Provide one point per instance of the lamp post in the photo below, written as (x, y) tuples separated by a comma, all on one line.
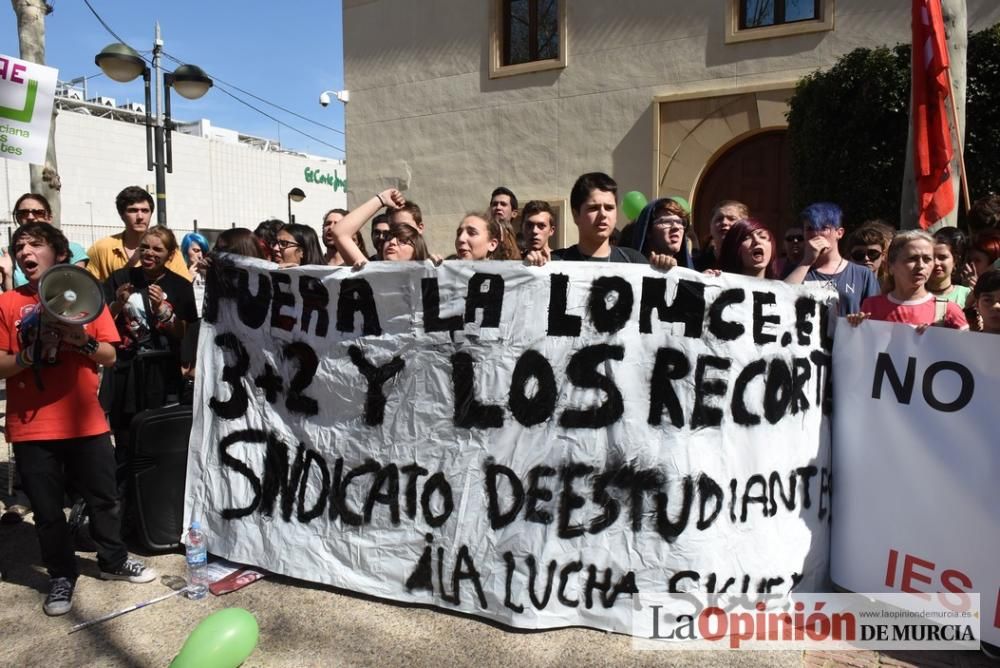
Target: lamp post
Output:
[(294, 195), (123, 64)]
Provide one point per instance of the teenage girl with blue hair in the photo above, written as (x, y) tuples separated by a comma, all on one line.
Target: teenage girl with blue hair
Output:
[(195, 248)]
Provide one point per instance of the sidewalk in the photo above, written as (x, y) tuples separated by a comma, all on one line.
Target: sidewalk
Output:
[(302, 624)]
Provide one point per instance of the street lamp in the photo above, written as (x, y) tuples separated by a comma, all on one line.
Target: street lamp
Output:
[(123, 64), (294, 195)]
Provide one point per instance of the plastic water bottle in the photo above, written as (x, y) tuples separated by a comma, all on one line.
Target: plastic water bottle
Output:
[(196, 553)]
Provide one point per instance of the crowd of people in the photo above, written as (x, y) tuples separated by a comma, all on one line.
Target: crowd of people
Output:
[(60, 417)]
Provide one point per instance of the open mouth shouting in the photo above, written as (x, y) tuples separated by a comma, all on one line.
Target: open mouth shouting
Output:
[(30, 267)]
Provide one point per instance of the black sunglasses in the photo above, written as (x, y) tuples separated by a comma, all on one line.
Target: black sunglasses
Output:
[(863, 254), (24, 213), (794, 238)]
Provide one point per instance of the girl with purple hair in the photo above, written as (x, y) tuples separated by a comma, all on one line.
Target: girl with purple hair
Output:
[(749, 249)]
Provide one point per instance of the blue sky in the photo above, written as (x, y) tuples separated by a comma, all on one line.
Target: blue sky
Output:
[(285, 52)]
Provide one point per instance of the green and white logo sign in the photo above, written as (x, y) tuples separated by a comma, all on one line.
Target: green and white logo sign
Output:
[(333, 180), (26, 93)]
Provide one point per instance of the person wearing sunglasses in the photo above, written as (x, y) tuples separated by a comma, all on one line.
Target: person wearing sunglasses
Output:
[(33, 208), (380, 234), (296, 245), (794, 249), (867, 246), (910, 258), (661, 228), (402, 241)]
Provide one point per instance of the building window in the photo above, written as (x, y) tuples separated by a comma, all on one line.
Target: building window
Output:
[(764, 19), (527, 36), (761, 13)]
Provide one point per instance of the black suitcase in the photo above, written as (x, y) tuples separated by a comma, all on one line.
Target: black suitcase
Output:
[(158, 449)]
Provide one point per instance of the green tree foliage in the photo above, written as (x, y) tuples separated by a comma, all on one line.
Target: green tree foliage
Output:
[(847, 128), (982, 115), (847, 134)]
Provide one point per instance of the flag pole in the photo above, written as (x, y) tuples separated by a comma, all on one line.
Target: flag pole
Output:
[(958, 143)]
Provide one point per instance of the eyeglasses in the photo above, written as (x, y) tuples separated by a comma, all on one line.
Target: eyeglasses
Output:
[(863, 254), (380, 234), (284, 244), (673, 222), (37, 213), (794, 238)]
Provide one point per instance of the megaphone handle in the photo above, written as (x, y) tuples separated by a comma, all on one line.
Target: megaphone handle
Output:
[(36, 368)]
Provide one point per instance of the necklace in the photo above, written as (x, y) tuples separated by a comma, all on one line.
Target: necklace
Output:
[(840, 268), (830, 279), (943, 290)]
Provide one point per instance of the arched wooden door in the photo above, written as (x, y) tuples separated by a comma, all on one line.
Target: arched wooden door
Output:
[(754, 171)]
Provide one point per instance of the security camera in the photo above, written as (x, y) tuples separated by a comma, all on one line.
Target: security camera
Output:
[(324, 99)]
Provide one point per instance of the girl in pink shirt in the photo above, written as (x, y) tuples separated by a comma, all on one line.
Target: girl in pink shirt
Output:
[(911, 260)]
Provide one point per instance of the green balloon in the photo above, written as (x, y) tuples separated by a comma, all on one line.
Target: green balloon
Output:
[(633, 203), (683, 202), (224, 639)]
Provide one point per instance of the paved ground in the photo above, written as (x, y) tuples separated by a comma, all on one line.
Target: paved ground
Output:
[(301, 625), (307, 625)]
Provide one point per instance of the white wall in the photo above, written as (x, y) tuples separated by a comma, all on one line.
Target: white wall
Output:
[(422, 102), (215, 182)]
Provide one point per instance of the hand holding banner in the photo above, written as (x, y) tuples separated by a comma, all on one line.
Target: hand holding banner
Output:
[(533, 445)]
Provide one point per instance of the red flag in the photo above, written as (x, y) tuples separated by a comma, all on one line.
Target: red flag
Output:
[(931, 134)]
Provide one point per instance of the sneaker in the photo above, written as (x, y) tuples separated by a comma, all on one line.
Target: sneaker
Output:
[(60, 598), (133, 571)]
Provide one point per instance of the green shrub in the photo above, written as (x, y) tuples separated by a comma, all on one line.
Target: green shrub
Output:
[(847, 129)]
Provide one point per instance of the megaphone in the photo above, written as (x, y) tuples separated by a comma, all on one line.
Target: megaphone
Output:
[(70, 294), (66, 294)]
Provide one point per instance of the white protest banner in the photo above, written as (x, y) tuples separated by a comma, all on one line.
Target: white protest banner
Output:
[(917, 458), (26, 94), (532, 445)]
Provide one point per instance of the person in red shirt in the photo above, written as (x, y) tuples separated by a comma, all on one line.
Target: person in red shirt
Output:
[(911, 260), (57, 425)]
